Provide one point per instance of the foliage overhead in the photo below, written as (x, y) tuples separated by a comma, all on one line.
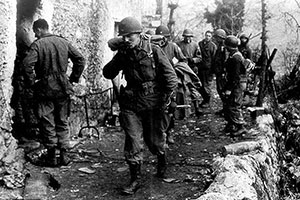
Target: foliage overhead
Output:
[(229, 15)]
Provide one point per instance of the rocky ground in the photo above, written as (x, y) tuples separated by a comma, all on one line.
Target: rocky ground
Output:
[(98, 170)]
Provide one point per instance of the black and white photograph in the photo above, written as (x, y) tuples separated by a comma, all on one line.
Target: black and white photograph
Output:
[(150, 99)]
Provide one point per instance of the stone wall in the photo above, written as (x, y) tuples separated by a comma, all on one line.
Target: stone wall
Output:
[(11, 158), (248, 170)]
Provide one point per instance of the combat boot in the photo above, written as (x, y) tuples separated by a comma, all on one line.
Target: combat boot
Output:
[(240, 130), (229, 128), (64, 159), (161, 166), (51, 157), (134, 180)]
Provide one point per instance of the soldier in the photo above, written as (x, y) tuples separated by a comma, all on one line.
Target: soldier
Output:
[(208, 51), (150, 81), (233, 89), (191, 51), (218, 65), (170, 48), (173, 53), (45, 69), (244, 47)]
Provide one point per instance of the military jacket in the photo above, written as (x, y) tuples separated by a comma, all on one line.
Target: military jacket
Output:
[(234, 70), (172, 51), (219, 60), (208, 51), (149, 74), (191, 51), (46, 64)]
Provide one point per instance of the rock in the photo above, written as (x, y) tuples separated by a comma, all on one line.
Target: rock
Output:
[(241, 147), (214, 196), (10, 154), (86, 170), (3, 148)]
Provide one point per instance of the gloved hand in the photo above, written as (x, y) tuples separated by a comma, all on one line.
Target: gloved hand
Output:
[(116, 43)]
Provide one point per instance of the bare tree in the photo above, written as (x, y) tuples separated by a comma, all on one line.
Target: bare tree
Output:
[(171, 22)]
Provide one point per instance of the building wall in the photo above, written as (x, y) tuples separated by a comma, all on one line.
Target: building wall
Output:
[(7, 56), (11, 162), (88, 24)]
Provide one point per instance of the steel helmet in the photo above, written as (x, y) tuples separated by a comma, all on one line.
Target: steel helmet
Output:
[(243, 35), (232, 41), (220, 33), (188, 33), (162, 30), (129, 25)]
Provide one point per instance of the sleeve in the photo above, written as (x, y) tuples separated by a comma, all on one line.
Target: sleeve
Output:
[(29, 63), (112, 68), (213, 51), (197, 55), (166, 71), (78, 63), (178, 54), (116, 43), (250, 56)]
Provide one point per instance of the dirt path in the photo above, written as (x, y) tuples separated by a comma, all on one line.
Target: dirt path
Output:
[(189, 172)]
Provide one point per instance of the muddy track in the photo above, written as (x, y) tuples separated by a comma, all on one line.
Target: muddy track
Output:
[(104, 171)]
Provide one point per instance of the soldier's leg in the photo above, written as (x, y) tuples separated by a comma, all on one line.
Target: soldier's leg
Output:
[(154, 137), (195, 96), (62, 107), (236, 115), (131, 123), (220, 82), (205, 90), (47, 129)]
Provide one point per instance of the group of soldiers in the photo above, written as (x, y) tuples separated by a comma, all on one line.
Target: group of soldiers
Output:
[(158, 74), (210, 57)]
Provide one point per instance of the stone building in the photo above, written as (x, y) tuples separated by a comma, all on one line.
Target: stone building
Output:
[(88, 24)]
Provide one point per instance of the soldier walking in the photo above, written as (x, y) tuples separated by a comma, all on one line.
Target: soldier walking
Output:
[(191, 51), (150, 81)]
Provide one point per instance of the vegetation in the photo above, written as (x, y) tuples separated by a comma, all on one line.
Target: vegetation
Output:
[(229, 15)]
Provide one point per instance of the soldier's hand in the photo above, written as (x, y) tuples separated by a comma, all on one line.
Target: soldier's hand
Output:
[(116, 43)]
